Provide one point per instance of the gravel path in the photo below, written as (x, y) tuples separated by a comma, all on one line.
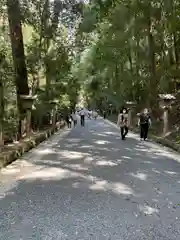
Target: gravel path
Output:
[(88, 184)]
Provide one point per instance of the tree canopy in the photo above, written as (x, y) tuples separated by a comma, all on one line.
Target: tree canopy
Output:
[(134, 50), (112, 51)]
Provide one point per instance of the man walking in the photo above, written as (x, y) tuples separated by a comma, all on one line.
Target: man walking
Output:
[(144, 123), (104, 114), (82, 116)]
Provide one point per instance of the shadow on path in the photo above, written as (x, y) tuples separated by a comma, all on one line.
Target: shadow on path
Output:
[(92, 185)]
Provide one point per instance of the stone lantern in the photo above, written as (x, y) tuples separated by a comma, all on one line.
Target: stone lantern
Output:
[(27, 104), (130, 106), (165, 103), (53, 104)]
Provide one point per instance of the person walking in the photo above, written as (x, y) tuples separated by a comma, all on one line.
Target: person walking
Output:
[(68, 120), (104, 114), (144, 123), (74, 118), (123, 122), (95, 114), (82, 116)]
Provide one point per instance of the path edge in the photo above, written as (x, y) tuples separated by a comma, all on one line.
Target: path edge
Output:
[(25, 145), (159, 140)]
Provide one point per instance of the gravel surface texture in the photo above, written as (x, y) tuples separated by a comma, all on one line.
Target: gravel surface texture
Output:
[(86, 183)]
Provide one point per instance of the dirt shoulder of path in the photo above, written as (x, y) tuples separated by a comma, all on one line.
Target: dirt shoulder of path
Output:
[(11, 152), (165, 141)]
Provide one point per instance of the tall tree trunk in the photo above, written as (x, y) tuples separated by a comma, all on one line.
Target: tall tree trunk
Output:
[(176, 48), (58, 5), (1, 113), (130, 58), (47, 38), (21, 80), (152, 68), (49, 31)]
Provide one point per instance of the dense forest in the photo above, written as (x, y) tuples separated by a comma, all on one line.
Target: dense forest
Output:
[(38, 53), (109, 51)]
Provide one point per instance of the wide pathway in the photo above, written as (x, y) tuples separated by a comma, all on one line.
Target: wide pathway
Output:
[(88, 184)]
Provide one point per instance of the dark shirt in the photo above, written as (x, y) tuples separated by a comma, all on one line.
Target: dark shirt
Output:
[(144, 119)]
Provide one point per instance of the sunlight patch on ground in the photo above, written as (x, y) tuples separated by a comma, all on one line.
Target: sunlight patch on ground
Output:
[(143, 150), (6, 189), (6, 194), (129, 149), (72, 154), (106, 163), (47, 162), (100, 134), (166, 154), (138, 154), (93, 182), (9, 171), (118, 188), (158, 150), (139, 175), (76, 166), (121, 188), (171, 173), (101, 142), (99, 185), (148, 162), (74, 140), (121, 161), (112, 133), (71, 145), (44, 151), (88, 159), (148, 210), (88, 146), (126, 157), (15, 168), (48, 174)]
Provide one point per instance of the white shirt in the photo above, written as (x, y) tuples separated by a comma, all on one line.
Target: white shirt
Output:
[(74, 116), (82, 112), (94, 113)]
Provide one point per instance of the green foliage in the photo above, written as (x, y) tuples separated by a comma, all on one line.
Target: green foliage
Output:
[(50, 56), (135, 54), (113, 51)]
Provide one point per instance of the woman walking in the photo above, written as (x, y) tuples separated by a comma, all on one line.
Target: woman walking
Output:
[(144, 123), (123, 122), (68, 120), (74, 118)]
